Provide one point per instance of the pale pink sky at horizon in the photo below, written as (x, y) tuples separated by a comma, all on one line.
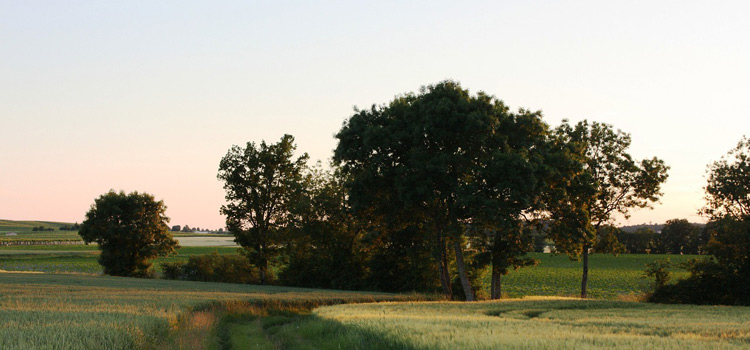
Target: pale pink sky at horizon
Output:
[(149, 96)]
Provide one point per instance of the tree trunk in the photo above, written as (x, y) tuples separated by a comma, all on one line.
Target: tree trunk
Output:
[(585, 278), (495, 286), (441, 257), (462, 270), (445, 279), (263, 264)]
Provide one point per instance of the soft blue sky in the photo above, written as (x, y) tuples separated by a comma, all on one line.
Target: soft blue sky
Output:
[(149, 96)]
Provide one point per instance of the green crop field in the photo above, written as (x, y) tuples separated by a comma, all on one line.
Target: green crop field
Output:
[(28, 226), (610, 277), (85, 311), (79, 258), (75, 311)]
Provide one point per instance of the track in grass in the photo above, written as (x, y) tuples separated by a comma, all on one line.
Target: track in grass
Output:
[(40, 311)]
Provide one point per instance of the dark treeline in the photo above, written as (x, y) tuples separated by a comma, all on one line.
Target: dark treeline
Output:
[(188, 229), (676, 236), (428, 190), (722, 277), (73, 227)]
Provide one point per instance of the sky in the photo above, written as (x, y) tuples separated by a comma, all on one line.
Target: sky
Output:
[(148, 96)]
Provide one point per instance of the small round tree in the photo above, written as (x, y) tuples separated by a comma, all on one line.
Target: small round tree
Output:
[(131, 229)]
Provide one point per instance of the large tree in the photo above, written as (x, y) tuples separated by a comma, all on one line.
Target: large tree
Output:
[(679, 236), (721, 278), (728, 208), (728, 188), (445, 162), (608, 182), (262, 182), (131, 229), (326, 248)]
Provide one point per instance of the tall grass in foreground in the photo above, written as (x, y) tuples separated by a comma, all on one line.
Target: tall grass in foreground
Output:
[(40, 311), (546, 324)]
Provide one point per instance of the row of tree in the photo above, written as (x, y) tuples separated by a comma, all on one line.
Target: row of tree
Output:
[(431, 188), (187, 228), (677, 236), (73, 227)]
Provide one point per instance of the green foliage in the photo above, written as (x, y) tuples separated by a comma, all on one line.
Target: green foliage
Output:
[(642, 241), (212, 268), (721, 279), (131, 229), (441, 161), (680, 236), (608, 181), (658, 270), (709, 283), (608, 241), (327, 247), (728, 188), (262, 183), (74, 227), (400, 261), (603, 181)]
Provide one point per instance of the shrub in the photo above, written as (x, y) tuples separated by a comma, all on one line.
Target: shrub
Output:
[(212, 268), (658, 270)]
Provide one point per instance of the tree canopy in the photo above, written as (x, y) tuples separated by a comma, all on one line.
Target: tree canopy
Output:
[(131, 229), (262, 182), (607, 182), (444, 161), (722, 278), (728, 187)]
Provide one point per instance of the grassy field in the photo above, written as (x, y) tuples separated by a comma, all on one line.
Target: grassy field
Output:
[(546, 324), (85, 311), (27, 226), (609, 277), (39, 311), (79, 258), (47, 311), (24, 229)]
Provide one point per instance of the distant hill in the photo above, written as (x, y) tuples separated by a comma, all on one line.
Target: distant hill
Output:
[(28, 226), (655, 227), (633, 228)]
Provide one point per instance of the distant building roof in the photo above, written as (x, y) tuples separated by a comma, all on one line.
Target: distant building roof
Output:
[(11, 234)]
